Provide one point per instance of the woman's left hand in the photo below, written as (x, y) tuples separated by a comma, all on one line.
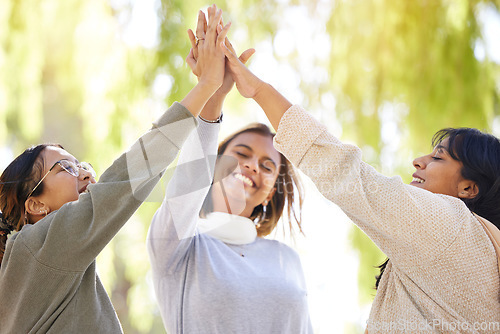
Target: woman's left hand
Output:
[(210, 63), (228, 81)]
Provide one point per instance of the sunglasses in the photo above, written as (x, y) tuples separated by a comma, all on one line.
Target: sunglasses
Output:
[(70, 167)]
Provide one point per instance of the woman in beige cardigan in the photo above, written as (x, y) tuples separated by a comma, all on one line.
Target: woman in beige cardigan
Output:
[(442, 275)]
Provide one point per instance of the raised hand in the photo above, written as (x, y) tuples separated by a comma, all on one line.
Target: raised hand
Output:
[(247, 83), (191, 59), (209, 66), (228, 82), (210, 62), (213, 108), (201, 30)]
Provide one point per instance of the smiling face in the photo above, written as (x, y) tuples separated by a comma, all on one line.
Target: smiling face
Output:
[(252, 182), (59, 186), (439, 173)]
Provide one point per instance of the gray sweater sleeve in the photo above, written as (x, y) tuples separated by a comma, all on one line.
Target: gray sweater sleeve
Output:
[(174, 224), (71, 237)]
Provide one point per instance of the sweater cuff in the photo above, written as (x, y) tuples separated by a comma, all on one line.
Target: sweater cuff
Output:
[(172, 124), (208, 132), (297, 131)]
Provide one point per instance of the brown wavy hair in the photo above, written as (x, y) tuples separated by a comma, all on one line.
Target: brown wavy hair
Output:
[(288, 185), (16, 182)]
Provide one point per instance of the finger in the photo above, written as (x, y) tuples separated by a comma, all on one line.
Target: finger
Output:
[(191, 61), (205, 25), (245, 56), (211, 35), (200, 27), (194, 43), (210, 13), (229, 55), (213, 18), (192, 38), (222, 35), (229, 45)]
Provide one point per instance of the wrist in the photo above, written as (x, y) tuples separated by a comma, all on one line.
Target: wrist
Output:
[(213, 108), (198, 97), (219, 97), (216, 120), (210, 86), (261, 90)]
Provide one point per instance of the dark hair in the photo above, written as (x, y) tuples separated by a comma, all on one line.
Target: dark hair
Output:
[(479, 154), (16, 182), (287, 183)]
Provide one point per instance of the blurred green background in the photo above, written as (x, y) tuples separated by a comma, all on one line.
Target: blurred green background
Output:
[(92, 75)]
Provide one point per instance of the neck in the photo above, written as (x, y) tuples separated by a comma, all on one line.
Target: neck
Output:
[(224, 204), (227, 209)]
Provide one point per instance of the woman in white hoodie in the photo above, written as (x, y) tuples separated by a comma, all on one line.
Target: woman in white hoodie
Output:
[(213, 270)]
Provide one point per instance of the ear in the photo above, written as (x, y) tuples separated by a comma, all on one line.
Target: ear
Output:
[(467, 189), (36, 208), (269, 196)]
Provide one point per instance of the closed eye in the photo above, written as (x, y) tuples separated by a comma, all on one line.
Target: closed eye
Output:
[(266, 168)]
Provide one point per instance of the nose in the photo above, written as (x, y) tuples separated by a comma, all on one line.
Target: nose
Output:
[(251, 164), (85, 175), (420, 162)]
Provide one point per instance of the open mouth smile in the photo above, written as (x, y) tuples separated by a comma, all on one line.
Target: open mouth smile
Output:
[(245, 179), (418, 180)]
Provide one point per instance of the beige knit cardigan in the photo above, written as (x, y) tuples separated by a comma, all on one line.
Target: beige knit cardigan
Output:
[(442, 276)]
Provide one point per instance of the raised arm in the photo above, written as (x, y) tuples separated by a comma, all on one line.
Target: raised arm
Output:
[(399, 218), (209, 64), (71, 237), (213, 109), (81, 229), (411, 225), (174, 224)]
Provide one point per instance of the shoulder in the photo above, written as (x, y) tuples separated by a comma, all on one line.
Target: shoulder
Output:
[(31, 237), (453, 208)]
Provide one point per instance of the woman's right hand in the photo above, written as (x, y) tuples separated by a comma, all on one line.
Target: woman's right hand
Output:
[(210, 63), (209, 66), (247, 83), (191, 59)]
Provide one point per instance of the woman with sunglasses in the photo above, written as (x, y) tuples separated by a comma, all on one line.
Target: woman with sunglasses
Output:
[(48, 279), (213, 269), (442, 275)]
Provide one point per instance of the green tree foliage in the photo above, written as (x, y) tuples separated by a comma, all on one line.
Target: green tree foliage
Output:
[(66, 76), (420, 53)]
